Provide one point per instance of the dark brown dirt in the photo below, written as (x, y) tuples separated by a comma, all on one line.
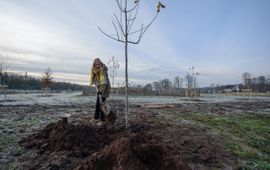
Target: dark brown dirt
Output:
[(132, 152), (150, 143), (80, 140)]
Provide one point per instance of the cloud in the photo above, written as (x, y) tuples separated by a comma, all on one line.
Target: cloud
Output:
[(63, 35), (34, 44)]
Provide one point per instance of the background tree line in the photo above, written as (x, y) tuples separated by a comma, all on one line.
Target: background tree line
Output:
[(178, 85), (161, 87), (256, 84), (25, 82)]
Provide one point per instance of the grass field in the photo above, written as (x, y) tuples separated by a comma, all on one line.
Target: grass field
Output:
[(246, 135)]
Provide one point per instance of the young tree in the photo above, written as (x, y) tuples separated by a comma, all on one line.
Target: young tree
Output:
[(123, 24), (113, 65), (47, 80), (191, 82)]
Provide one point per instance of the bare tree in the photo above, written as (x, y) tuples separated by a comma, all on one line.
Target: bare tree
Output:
[(166, 85), (157, 87), (138, 88), (213, 88), (191, 82), (262, 83), (268, 79), (25, 81), (178, 83), (113, 65), (194, 75), (147, 89), (4, 65), (47, 80), (124, 33), (247, 79)]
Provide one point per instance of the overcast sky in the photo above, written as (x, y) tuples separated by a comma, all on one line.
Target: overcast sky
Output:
[(220, 38)]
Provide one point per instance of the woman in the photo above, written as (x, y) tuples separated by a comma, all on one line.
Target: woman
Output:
[(99, 77)]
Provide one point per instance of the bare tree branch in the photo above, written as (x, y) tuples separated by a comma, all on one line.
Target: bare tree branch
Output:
[(119, 4), (132, 9), (116, 30), (121, 11), (119, 24), (133, 19), (110, 36), (128, 20), (121, 19), (146, 27)]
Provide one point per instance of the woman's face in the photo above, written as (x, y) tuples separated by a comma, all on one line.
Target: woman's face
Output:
[(97, 64)]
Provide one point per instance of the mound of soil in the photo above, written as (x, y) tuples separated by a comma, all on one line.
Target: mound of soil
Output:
[(144, 146), (132, 152), (80, 140)]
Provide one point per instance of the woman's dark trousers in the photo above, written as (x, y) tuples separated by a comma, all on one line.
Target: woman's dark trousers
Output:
[(98, 112)]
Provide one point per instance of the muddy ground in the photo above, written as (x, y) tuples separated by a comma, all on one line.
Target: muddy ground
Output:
[(200, 135)]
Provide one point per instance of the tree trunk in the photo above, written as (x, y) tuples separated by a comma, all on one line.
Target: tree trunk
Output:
[(113, 75), (126, 64)]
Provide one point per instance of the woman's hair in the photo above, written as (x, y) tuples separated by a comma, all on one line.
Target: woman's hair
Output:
[(94, 70), (97, 60)]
